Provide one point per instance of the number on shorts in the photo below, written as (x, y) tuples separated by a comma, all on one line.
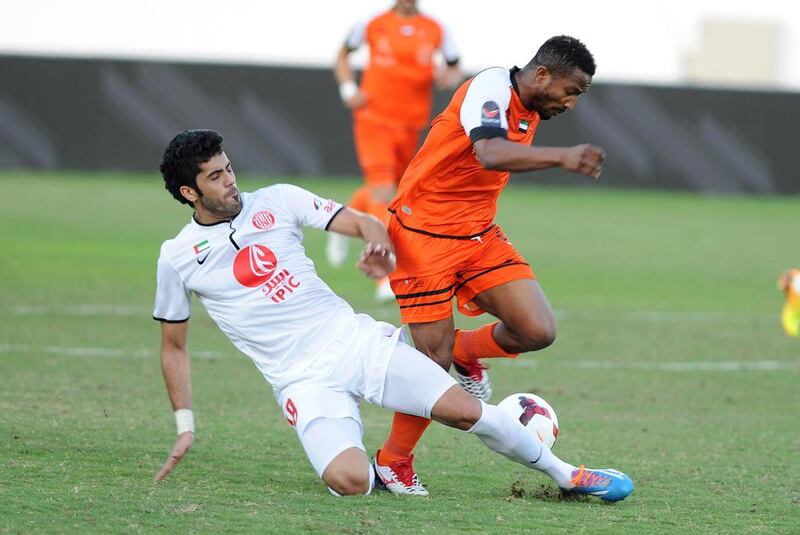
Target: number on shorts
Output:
[(291, 412)]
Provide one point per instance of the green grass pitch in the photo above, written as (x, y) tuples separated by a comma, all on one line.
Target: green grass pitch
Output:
[(670, 365)]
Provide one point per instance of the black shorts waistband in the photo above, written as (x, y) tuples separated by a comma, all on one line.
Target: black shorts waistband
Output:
[(444, 236)]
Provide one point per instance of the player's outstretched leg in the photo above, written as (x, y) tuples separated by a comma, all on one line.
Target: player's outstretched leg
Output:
[(415, 385), (506, 436)]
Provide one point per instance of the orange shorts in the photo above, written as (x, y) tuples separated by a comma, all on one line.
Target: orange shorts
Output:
[(432, 270), (384, 150)]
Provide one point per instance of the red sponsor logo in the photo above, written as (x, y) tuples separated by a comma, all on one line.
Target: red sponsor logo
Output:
[(291, 412), (328, 205), (280, 286), (263, 220), (254, 265)]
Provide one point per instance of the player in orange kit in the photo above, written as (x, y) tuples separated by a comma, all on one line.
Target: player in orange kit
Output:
[(393, 104), (447, 244)]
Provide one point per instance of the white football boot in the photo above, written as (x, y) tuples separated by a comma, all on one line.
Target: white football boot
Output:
[(474, 379), (398, 478)]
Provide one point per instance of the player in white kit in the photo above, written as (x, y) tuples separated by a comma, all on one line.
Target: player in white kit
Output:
[(242, 255)]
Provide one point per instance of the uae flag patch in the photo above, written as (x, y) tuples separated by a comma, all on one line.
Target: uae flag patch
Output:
[(200, 247), (523, 125)]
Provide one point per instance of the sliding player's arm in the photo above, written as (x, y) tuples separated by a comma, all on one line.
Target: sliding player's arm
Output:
[(500, 154), (309, 210), (176, 370), (377, 258)]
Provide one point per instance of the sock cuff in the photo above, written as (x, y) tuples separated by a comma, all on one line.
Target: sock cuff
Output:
[(490, 341), (480, 343), (476, 427)]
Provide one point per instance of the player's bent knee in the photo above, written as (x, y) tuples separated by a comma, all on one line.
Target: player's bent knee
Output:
[(349, 473), (348, 483), (537, 336)]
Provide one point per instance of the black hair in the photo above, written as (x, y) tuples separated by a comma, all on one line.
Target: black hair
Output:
[(183, 157), (562, 54)]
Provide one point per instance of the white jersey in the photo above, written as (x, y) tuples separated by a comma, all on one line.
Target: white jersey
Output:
[(256, 282)]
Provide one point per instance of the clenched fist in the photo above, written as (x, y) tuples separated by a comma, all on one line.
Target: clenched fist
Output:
[(585, 159)]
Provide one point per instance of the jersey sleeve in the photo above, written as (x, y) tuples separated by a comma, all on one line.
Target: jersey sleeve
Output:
[(173, 302), (309, 210), (448, 46), (483, 112), (356, 36)]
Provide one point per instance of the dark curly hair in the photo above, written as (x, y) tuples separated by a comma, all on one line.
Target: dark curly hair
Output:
[(561, 54), (183, 157)]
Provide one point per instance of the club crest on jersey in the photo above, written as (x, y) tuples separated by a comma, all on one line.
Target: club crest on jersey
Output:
[(263, 220), (256, 266), (324, 205), (490, 114)]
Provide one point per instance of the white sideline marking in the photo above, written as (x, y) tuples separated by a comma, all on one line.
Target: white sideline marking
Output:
[(683, 366), (677, 316), (79, 310), (632, 316), (97, 351), (644, 316), (686, 366)]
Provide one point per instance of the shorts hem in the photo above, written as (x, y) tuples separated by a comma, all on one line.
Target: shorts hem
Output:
[(425, 318), (434, 399)]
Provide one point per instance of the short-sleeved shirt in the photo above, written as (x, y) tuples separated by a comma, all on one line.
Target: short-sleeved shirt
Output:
[(398, 80), (445, 190), (256, 282)]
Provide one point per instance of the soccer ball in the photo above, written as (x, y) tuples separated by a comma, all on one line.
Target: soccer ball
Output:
[(535, 414)]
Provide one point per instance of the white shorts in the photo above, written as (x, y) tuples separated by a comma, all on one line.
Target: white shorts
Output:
[(411, 383)]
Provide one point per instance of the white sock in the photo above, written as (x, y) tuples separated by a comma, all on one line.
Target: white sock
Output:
[(508, 437)]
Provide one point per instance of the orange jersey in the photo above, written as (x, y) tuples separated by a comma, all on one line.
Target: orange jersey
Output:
[(398, 80), (445, 190)]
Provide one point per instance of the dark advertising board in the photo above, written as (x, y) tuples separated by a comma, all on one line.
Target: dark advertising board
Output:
[(83, 114)]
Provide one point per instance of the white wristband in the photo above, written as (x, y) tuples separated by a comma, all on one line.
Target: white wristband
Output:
[(347, 90), (184, 419)]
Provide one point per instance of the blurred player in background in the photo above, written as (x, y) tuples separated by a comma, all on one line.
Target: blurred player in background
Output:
[(393, 104), (446, 241), (242, 254), (789, 283)]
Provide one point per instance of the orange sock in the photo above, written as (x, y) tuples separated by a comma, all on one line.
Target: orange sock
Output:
[(403, 437), (478, 344), (361, 199)]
